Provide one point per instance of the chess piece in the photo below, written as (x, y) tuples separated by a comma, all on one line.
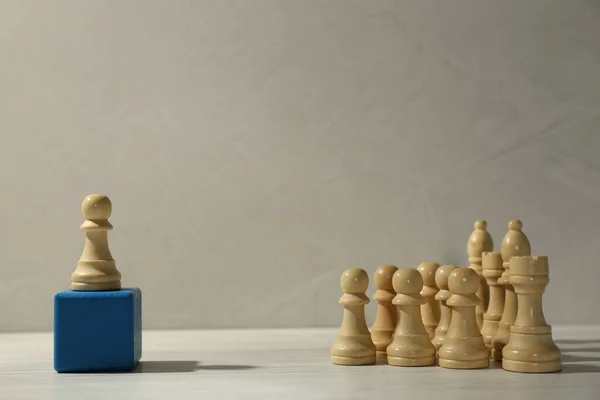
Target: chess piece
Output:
[(353, 344), (492, 270), (463, 346), (411, 346), (431, 309), (479, 241), (530, 347), (96, 269), (515, 243), (441, 280), (387, 315)]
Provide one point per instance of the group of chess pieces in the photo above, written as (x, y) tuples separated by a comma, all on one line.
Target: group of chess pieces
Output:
[(454, 317)]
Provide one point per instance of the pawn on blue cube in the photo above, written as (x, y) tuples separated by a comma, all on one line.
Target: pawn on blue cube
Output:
[(97, 325)]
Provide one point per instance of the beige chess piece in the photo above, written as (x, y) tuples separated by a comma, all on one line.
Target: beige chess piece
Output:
[(353, 344), (463, 346), (411, 346), (479, 241), (441, 280), (431, 309), (387, 315), (96, 269), (515, 243), (530, 348), (492, 271)]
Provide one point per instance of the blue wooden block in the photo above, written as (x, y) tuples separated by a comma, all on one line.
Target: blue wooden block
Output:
[(97, 331)]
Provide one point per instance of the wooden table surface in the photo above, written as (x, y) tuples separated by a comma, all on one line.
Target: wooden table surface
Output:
[(284, 364)]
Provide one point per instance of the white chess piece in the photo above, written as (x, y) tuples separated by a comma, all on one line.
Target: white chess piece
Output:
[(353, 344), (479, 241), (463, 346), (515, 243), (441, 280), (530, 347), (96, 269), (387, 315), (431, 309), (411, 346)]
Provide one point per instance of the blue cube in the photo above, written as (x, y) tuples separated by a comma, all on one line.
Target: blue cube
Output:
[(97, 331)]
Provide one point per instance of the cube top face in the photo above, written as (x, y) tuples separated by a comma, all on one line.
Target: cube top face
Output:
[(97, 331)]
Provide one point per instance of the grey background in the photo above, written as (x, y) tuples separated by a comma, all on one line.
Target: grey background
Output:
[(255, 149)]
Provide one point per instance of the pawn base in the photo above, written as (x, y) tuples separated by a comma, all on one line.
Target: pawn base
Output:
[(411, 362), (472, 364), (381, 355), (531, 367), (365, 360)]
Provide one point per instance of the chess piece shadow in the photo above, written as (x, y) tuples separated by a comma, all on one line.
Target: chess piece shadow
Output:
[(224, 367), (579, 341), (574, 368), (581, 349), (177, 366), (568, 357)]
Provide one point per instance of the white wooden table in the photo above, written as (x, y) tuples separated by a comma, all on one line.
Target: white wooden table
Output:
[(284, 364)]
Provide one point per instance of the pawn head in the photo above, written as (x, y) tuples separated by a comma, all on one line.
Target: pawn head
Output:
[(427, 271), (442, 274), (463, 281), (407, 281), (515, 225), (384, 275), (96, 206), (480, 224), (354, 280)]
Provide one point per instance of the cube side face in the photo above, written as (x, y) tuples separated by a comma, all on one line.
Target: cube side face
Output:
[(97, 331), (137, 320)]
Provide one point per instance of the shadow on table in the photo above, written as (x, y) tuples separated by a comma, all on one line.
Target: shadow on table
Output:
[(578, 341), (184, 366), (574, 368), (568, 357)]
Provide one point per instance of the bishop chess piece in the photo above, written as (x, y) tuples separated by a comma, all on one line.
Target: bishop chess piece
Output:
[(492, 271), (479, 241), (411, 346), (431, 309), (463, 346), (530, 347), (353, 344), (387, 315), (514, 244), (96, 269)]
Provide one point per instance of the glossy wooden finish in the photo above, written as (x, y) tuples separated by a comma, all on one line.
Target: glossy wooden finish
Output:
[(492, 271), (353, 344), (387, 315), (411, 346), (479, 241), (514, 243), (463, 346), (531, 347), (441, 280), (96, 269), (431, 309)]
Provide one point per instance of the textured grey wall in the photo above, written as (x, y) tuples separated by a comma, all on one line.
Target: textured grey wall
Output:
[(255, 149)]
